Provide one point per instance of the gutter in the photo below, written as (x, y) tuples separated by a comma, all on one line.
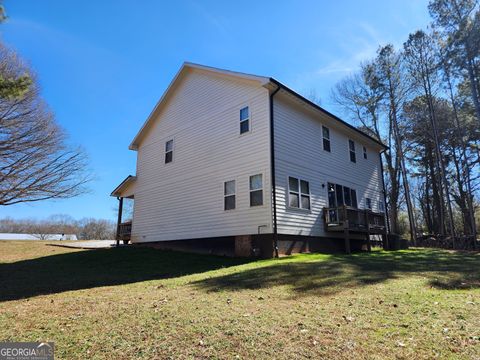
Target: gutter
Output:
[(272, 168)]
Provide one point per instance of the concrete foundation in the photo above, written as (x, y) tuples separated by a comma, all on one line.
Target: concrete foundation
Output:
[(261, 246)]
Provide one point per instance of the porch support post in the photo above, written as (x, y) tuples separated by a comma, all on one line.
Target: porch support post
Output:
[(119, 219)]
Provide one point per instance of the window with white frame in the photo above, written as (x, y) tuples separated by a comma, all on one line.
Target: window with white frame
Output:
[(351, 147), (365, 155), (298, 193), (326, 138), (169, 151), (244, 120), (229, 195), (368, 203), (256, 190)]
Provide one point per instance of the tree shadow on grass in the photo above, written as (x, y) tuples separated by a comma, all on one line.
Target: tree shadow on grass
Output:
[(101, 267), (317, 275)]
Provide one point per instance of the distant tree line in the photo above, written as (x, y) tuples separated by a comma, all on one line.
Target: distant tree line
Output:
[(423, 101), (85, 229)]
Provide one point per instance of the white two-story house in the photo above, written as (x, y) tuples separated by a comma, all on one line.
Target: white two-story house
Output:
[(241, 164)]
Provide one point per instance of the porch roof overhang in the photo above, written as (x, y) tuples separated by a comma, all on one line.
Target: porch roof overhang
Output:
[(121, 190)]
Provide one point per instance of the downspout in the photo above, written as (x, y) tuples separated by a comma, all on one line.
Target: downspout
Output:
[(272, 175)]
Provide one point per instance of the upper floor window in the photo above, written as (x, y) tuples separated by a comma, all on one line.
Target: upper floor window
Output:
[(351, 147), (365, 156), (368, 203), (244, 120), (326, 138), (256, 190), (169, 151), (298, 193), (229, 195)]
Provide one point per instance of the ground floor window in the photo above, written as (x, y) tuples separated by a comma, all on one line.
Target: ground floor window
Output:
[(368, 203), (381, 206), (229, 195), (298, 193), (256, 190)]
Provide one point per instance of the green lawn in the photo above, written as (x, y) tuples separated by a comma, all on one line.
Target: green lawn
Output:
[(145, 303)]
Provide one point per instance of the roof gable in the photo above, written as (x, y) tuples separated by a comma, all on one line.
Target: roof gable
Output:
[(184, 70)]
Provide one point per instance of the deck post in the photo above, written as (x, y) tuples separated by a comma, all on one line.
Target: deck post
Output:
[(119, 219), (346, 233), (367, 221), (386, 245), (346, 230)]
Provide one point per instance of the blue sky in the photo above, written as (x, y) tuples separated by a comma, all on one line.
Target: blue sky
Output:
[(102, 65)]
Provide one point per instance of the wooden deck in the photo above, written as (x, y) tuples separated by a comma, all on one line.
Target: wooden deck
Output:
[(124, 231), (350, 220)]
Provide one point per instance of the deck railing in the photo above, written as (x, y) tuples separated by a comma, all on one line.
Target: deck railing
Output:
[(353, 219), (124, 231)]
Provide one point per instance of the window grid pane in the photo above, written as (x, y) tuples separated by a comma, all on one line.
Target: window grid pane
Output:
[(256, 182), (353, 157), (351, 145), (293, 200), (305, 202), (354, 198), (168, 157), (304, 187), (244, 113), (326, 145), (229, 203), (326, 133), (256, 198), (293, 184), (346, 196), (169, 145), (331, 195), (339, 190), (229, 187), (244, 126)]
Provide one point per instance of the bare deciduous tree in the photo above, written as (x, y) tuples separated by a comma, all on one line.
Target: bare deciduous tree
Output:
[(35, 161)]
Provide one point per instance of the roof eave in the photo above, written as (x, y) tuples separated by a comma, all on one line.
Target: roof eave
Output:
[(294, 93), (126, 181)]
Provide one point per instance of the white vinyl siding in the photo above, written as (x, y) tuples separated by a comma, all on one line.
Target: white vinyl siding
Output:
[(295, 123), (185, 202)]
